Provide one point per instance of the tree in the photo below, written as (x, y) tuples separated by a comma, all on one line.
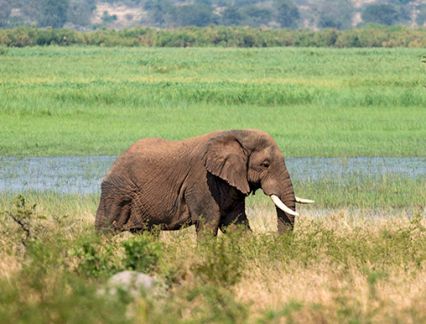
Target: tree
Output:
[(421, 16), (161, 12), (287, 13), (336, 14), (256, 16), (52, 13), (80, 11), (5, 9), (384, 14), (231, 16), (194, 15)]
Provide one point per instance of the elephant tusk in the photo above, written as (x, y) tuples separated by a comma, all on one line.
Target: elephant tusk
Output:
[(277, 201), (304, 200)]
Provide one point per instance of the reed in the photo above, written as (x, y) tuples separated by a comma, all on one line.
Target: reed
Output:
[(314, 101)]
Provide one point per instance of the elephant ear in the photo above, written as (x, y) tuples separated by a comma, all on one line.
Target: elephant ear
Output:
[(225, 158)]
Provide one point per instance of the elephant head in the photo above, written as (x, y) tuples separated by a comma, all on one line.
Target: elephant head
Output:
[(249, 160)]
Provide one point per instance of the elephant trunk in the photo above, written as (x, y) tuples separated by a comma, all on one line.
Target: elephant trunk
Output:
[(285, 219)]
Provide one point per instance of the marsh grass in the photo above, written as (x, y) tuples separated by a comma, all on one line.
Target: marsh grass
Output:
[(332, 268), (385, 192), (357, 256), (315, 102)]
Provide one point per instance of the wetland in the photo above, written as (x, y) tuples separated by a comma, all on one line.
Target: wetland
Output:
[(351, 123)]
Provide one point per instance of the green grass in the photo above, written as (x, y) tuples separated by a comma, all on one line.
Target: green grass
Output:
[(339, 265), (361, 193), (315, 102)]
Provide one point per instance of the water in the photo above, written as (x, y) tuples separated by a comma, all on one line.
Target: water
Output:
[(84, 174)]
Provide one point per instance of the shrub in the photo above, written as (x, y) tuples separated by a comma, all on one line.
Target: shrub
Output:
[(222, 262), (142, 253), (216, 305), (97, 256), (371, 36)]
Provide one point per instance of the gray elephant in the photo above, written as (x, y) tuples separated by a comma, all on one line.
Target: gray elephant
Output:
[(201, 181)]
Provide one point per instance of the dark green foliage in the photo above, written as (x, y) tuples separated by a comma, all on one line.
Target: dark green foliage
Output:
[(194, 15), (80, 11), (335, 14), (287, 13), (107, 18), (231, 16), (161, 11), (384, 14), (52, 13), (142, 253), (97, 256), (217, 36), (171, 13), (255, 16), (421, 16), (5, 10)]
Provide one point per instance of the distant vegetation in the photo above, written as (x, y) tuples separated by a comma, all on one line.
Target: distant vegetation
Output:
[(311, 14), (314, 101), (217, 36)]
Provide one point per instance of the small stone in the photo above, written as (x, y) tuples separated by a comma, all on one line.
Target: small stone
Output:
[(131, 281)]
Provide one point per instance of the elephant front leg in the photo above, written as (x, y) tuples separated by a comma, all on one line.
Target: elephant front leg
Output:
[(205, 216), (207, 225), (235, 218)]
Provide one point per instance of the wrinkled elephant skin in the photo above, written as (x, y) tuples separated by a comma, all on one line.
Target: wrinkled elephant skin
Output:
[(201, 181)]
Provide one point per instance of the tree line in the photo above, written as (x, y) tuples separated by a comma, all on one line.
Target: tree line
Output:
[(216, 36), (338, 14)]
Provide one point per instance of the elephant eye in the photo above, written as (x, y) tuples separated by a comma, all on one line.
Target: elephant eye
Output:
[(265, 164)]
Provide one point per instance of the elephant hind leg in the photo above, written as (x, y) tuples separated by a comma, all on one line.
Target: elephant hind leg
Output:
[(112, 216), (122, 215), (103, 222)]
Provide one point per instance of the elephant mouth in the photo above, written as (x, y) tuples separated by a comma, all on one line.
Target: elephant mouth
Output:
[(254, 187)]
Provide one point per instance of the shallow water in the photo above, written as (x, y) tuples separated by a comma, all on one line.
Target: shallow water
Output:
[(84, 174)]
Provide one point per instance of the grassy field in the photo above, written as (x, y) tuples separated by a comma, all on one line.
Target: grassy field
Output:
[(356, 256), (358, 193), (332, 269), (315, 102)]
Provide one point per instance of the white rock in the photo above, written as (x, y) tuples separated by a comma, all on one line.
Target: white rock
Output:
[(131, 281)]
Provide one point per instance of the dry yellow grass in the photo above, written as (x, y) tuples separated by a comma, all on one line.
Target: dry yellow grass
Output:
[(326, 291), (337, 266), (322, 288)]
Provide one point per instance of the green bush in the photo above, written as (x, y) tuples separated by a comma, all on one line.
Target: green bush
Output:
[(97, 256), (222, 260), (142, 253), (57, 297), (370, 36)]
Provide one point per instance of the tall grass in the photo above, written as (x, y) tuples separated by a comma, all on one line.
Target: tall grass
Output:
[(315, 102), (330, 269)]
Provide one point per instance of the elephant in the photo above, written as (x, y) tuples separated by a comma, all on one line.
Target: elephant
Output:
[(201, 181)]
